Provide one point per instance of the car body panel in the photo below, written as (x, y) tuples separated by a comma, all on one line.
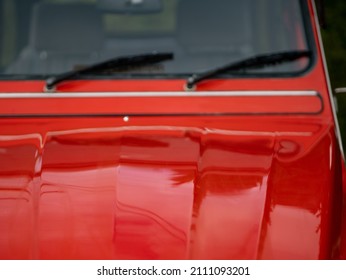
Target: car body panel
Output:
[(142, 169), (129, 192)]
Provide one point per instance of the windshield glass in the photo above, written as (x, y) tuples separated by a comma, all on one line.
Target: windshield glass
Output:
[(41, 38)]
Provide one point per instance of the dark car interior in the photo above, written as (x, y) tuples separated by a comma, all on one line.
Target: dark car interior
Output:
[(50, 37)]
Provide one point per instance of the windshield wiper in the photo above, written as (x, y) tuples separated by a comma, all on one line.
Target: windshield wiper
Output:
[(118, 63), (259, 61)]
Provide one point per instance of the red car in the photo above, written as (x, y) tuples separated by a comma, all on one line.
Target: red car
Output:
[(167, 129)]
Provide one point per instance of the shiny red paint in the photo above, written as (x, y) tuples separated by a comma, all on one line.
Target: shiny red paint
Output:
[(147, 178), (186, 103), (101, 189)]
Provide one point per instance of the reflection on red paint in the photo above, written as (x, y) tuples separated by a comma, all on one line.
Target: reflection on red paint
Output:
[(115, 193)]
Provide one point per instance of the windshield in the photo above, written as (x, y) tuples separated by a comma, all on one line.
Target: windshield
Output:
[(42, 38)]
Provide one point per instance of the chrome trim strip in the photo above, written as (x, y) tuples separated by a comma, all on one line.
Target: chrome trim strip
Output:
[(157, 94), (331, 97), (340, 90)]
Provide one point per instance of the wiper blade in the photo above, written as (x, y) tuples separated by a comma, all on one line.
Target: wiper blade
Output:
[(252, 62), (114, 64)]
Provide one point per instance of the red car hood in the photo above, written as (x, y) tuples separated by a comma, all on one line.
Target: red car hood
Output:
[(160, 191)]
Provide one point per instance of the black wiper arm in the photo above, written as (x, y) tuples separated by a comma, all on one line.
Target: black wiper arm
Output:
[(252, 62), (114, 64)]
